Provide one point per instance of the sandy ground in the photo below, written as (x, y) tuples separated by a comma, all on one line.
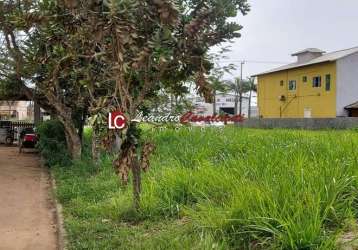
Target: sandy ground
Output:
[(27, 215)]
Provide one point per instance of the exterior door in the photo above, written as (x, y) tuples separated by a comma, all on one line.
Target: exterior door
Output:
[(308, 113)]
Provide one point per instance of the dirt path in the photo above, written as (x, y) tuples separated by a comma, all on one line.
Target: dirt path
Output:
[(27, 220)]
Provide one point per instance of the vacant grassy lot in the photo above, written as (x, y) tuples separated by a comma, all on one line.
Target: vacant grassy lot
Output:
[(235, 189)]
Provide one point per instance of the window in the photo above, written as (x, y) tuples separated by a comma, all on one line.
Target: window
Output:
[(317, 82), (292, 85), (281, 83), (230, 100), (328, 82), (304, 79)]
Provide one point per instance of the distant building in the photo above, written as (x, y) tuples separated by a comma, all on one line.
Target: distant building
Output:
[(225, 103), (317, 85), (16, 110)]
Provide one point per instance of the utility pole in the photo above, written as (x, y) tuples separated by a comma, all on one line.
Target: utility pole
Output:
[(241, 79)]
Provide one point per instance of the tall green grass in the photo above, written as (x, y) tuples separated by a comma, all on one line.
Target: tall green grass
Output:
[(213, 189)]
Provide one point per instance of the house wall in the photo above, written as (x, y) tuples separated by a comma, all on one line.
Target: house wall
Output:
[(228, 101), (322, 103), (19, 108), (347, 83), (222, 101)]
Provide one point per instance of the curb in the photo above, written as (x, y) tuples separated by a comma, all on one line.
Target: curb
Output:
[(61, 232)]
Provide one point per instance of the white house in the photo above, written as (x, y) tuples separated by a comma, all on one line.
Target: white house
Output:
[(225, 103), (16, 110)]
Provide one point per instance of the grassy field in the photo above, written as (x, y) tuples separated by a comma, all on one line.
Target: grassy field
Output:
[(231, 189)]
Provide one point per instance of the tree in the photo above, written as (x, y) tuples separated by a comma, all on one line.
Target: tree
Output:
[(38, 65), (9, 88), (252, 88), (165, 102), (163, 51), (217, 83), (239, 88), (100, 48)]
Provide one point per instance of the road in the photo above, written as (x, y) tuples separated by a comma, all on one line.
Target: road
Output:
[(27, 215)]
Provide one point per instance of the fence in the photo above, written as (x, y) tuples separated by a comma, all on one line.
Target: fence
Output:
[(11, 125), (21, 125), (12, 129)]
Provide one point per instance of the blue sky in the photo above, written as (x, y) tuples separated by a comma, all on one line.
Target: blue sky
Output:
[(274, 29)]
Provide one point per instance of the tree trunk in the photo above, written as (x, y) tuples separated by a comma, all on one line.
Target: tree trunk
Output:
[(171, 104), (95, 148), (176, 103), (37, 114), (240, 104), (214, 103), (64, 114), (128, 160), (236, 104), (136, 172), (117, 143), (82, 123), (73, 140)]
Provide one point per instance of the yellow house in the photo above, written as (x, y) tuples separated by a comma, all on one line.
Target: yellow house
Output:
[(317, 85)]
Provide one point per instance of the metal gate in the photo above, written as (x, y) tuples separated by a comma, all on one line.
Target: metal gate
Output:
[(13, 128), (21, 125)]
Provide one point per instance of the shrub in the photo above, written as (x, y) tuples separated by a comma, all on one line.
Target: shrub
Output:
[(52, 143)]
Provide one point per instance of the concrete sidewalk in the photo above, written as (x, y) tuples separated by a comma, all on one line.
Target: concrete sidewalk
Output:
[(27, 214)]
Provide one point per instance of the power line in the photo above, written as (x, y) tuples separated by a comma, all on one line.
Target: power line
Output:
[(253, 61)]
